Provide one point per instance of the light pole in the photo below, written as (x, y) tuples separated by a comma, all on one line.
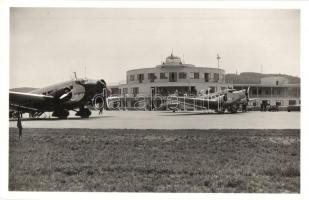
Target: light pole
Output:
[(218, 58)]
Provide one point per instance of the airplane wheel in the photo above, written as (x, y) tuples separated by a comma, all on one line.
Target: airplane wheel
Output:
[(84, 113), (62, 114), (232, 109)]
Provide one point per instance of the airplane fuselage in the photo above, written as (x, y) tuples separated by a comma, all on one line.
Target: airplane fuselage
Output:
[(218, 102)]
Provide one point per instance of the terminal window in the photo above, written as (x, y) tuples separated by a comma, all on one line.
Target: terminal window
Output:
[(259, 91), (267, 91), (132, 77), (135, 90), (163, 75), (206, 77), (196, 75), (140, 77), (253, 91), (151, 77), (292, 102), (125, 90), (216, 77), (173, 76), (182, 75), (115, 91)]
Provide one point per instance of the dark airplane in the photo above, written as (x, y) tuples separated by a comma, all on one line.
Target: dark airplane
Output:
[(60, 98)]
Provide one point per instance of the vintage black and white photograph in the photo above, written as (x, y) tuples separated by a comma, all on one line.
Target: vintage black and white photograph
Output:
[(160, 100)]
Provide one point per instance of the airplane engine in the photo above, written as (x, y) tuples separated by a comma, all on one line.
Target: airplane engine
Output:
[(98, 102), (100, 97), (101, 86), (66, 94), (70, 94), (247, 94)]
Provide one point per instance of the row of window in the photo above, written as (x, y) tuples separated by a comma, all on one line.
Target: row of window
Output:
[(135, 91), (278, 102), (273, 91), (172, 76), (117, 91)]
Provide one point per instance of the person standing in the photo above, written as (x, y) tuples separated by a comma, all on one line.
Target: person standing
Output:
[(20, 127), (101, 111)]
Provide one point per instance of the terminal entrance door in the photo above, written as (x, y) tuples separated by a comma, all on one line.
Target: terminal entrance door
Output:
[(173, 76)]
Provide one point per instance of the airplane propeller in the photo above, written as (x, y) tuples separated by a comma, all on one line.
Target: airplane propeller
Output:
[(102, 83), (67, 95), (101, 99), (247, 94), (225, 97)]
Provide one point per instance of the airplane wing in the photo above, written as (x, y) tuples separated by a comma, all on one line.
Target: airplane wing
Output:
[(29, 102), (198, 102), (254, 99)]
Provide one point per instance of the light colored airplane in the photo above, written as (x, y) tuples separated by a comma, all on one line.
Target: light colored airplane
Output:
[(229, 100)]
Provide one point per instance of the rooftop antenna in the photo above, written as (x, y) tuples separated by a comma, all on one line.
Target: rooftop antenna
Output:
[(218, 58), (85, 72)]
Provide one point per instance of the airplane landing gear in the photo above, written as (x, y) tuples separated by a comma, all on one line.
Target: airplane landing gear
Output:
[(62, 114), (83, 112), (233, 109)]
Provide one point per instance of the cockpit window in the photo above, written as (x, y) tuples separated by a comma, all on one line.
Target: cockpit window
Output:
[(80, 81)]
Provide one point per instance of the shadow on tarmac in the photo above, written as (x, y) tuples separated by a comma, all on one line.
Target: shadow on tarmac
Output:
[(198, 113), (57, 119)]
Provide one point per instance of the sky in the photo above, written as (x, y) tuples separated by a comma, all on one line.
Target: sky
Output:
[(48, 44)]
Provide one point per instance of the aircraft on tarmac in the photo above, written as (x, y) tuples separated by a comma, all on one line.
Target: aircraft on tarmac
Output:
[(60, 98), (227, 100)]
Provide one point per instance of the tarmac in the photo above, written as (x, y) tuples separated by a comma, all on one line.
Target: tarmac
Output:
[(169, 120)]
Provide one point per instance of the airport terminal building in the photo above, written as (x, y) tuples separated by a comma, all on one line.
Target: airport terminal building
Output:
[(173, 76)]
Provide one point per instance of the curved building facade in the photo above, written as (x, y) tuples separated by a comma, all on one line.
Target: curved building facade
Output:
[(169, 77), (174, 76)]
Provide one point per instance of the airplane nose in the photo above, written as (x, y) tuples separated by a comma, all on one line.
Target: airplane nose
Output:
[(103, 82), (101, 85)]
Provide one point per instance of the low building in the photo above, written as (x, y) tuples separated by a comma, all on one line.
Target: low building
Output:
[(273, 90)]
